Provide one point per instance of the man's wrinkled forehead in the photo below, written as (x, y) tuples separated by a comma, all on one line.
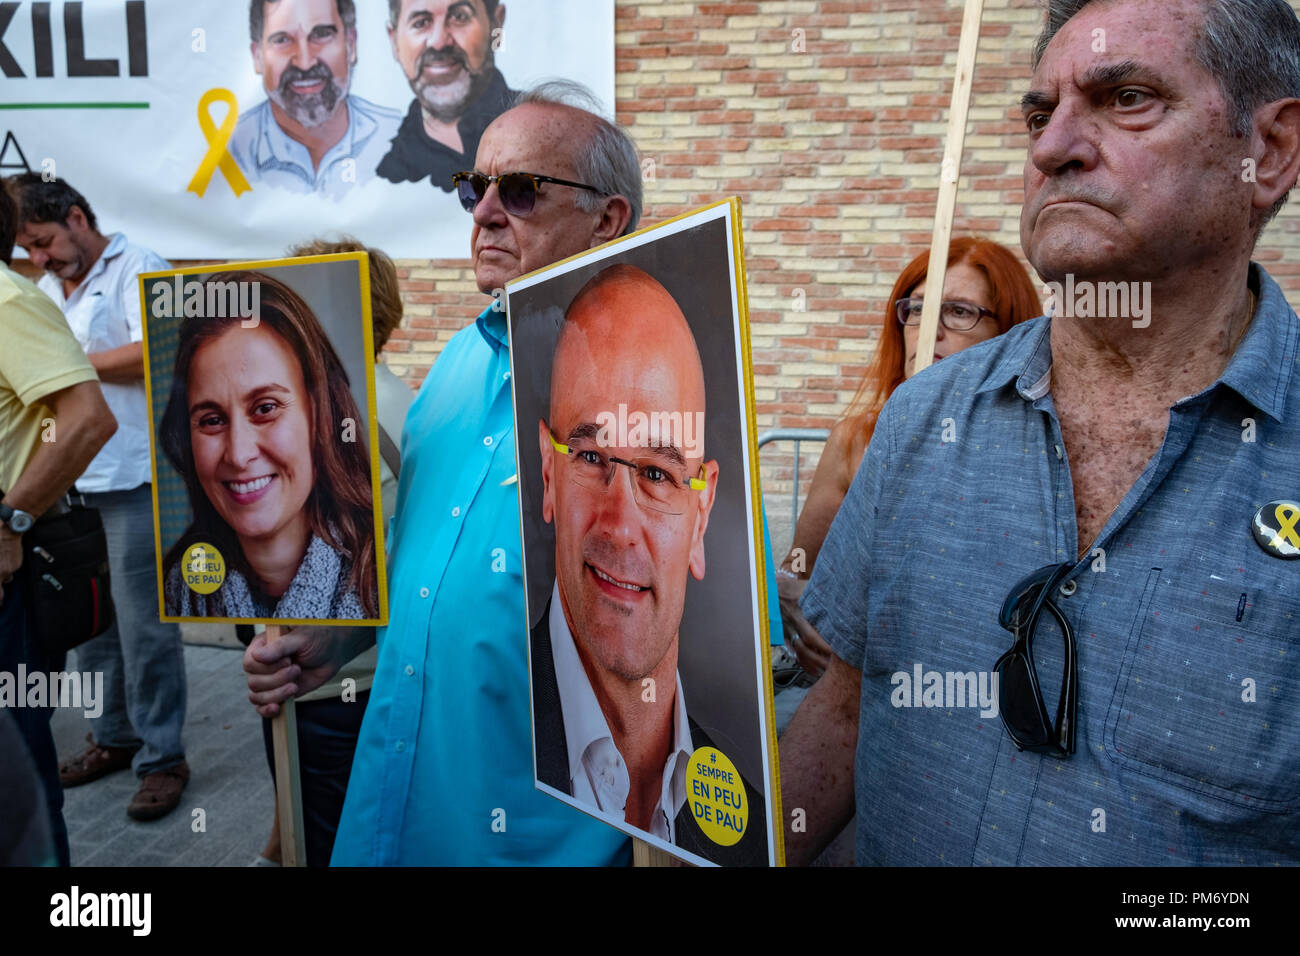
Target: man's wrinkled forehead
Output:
[(1112, 42), (535, 138)]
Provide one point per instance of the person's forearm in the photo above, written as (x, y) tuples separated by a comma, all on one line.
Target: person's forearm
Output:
[(121, 365), (82, 424), (817, 754)]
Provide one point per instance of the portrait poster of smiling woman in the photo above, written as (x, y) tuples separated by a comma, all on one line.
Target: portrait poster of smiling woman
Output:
[(260, 379), (638, 494)]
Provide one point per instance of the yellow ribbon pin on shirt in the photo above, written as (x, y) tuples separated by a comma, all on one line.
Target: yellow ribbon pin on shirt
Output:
[(218, 156), (1287, 516)]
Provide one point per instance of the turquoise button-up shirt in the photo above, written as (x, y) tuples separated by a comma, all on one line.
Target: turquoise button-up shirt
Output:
[(443, 772)]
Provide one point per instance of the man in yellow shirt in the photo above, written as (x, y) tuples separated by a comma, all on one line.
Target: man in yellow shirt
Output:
[(53, 420)]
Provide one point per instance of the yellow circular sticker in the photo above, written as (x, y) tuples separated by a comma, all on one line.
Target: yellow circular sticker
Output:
[(717, 796), (204, 567)]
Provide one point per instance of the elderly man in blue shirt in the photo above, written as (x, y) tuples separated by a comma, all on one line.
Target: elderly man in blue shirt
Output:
[(1096, 509), (443, 772)]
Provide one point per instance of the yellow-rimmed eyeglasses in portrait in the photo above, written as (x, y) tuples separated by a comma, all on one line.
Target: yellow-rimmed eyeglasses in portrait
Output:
[(657, 480)]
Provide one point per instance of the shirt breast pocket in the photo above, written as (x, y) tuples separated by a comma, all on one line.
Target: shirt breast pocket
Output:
[(93, 324), (1207, 698)]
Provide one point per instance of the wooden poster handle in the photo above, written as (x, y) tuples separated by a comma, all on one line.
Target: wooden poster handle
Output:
[(949, 175), (643, 854), (288, 788)]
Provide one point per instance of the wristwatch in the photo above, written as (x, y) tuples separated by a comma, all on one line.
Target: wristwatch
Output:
[(19, 522)]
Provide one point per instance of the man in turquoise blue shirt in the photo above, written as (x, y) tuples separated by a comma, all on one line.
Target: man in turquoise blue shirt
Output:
[(443, 772)]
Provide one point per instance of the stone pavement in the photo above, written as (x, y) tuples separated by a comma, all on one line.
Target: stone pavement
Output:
[(229, 779)]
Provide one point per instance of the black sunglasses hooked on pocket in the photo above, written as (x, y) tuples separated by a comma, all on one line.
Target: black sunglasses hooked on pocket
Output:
[(1020, 697)]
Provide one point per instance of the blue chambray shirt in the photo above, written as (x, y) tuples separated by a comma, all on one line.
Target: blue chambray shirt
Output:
[(1188, 641), (445, 750)]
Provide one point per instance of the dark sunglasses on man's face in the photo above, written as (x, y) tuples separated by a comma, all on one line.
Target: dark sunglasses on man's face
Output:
[(518, 191)]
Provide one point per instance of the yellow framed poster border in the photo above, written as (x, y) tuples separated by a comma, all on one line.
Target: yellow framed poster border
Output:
[(739, 277), (363, 265)]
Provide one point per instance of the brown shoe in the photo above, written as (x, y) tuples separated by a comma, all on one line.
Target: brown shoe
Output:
[(159, 793), (94, 762)]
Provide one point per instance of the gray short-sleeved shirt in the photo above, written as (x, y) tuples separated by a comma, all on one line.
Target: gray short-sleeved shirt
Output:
[(1188, 631)]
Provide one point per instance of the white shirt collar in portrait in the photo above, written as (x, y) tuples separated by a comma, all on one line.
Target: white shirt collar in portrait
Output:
[(597, 772), (268, 155)]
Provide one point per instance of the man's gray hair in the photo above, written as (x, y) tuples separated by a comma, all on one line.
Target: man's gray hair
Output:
[(1251, 46), (608, 161)]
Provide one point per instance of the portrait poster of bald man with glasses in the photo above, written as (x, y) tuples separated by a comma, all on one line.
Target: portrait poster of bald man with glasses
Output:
[(638, 485)]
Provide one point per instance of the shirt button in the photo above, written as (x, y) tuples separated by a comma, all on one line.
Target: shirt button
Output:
[(409, 670), (505, 377), (424, 592), (1059, 454), (400, 746), (455, 512), (1068, 588), (487, 440)]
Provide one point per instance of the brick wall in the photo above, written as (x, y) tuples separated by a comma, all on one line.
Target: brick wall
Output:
[(827, 118)]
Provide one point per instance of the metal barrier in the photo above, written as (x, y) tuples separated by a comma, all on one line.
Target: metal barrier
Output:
[(798, 436)]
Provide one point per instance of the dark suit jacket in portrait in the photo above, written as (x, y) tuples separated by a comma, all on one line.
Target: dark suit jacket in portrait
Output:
[(553, 765)]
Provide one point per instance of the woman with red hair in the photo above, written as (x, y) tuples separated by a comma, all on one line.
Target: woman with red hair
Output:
[(985, 291)]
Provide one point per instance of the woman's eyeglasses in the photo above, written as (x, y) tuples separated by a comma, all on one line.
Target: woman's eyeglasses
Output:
[(518, 191), (956, 316), (656, 485), (1020, 697)]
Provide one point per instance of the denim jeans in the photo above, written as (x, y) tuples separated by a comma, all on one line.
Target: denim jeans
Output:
[(141, 658), (18, 647)]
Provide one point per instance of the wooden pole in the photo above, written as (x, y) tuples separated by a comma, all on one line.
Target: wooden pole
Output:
[(950, 173), (643, 854), (288, 789)]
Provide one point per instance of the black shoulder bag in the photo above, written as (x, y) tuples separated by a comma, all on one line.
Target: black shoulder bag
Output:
[(65, 556)]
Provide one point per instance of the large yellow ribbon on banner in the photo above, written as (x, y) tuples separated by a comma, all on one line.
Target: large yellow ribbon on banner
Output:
[(218, 156)]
